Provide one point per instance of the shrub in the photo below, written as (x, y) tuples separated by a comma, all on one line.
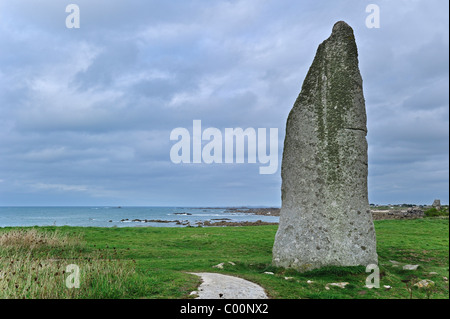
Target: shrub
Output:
[(432, 212)]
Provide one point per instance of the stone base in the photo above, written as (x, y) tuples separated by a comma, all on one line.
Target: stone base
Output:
[(318, 242)]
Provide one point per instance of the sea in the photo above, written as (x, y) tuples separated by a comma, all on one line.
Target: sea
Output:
[(106, 216)]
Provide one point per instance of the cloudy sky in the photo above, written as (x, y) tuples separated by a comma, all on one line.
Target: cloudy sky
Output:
[(86, 114)]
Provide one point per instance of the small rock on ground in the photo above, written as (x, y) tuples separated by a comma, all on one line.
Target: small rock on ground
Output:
[(410, 267), (424, 283), (337, 284)]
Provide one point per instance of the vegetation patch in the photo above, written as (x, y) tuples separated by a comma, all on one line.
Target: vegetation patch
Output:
[(153, 262)]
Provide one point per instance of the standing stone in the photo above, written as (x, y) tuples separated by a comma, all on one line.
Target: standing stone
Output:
[(325, 217), (437, 204)]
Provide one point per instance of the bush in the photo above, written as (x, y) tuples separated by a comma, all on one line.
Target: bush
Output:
[(432, 212)]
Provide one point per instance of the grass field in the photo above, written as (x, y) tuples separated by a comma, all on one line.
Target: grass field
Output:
[(152, 262)]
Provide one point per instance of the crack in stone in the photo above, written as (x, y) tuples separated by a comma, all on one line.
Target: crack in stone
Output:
[(355, 129)]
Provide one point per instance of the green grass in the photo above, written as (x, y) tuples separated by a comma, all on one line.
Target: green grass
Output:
[(155, 261)]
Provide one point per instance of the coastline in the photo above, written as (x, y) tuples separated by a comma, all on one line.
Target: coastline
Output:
[(377, 214), (218, 222), (169, 216)]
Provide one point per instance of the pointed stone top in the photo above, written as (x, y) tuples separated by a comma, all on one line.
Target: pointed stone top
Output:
[(342, 30), (342, 26), (343, 39)]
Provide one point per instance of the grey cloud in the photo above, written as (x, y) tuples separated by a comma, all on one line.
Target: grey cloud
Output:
[(85, 115)]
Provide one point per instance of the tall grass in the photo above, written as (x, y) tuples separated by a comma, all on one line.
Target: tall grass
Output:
[(33, 265)]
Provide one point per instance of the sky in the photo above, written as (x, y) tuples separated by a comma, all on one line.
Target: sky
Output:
[(86, 113)]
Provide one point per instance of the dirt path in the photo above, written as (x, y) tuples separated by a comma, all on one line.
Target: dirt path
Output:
[(217, 286)]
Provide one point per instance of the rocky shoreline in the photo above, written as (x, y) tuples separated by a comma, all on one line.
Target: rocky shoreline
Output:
[(269, 211), (410, 213), (226, 223), (215, 222)]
